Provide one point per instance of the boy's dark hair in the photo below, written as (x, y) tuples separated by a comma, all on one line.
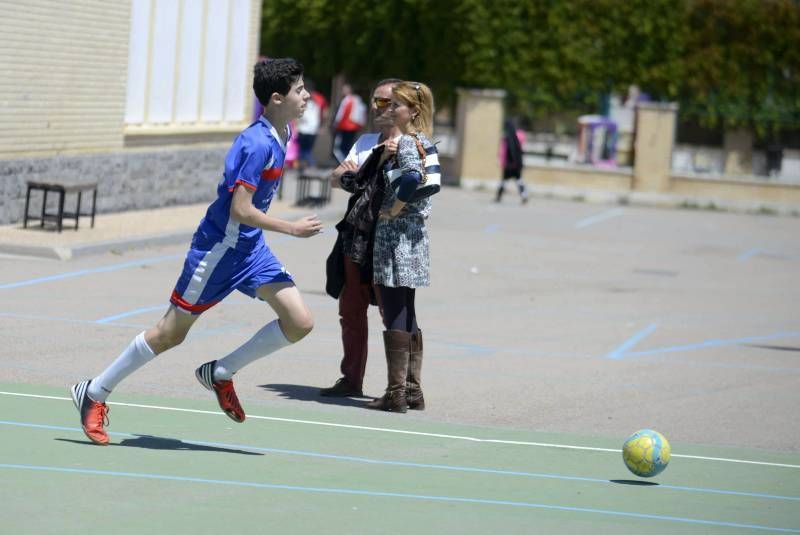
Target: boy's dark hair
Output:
[(275, 76)]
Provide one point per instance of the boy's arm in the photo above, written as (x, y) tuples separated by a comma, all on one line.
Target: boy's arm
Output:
[(243, 211)]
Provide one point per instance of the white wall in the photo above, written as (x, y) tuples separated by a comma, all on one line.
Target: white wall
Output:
[(189, 63)]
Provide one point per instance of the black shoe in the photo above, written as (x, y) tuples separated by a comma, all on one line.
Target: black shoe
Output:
[(341, 389)]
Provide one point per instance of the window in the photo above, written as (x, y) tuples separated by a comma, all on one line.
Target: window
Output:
[(188, 63)]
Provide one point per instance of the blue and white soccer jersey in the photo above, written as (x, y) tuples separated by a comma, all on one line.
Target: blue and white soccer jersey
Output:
[(225, 254)]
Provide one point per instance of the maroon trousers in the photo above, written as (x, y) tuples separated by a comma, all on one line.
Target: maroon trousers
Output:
[(353, 305)]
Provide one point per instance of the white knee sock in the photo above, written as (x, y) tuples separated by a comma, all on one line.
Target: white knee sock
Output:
[(268, 339), (136, 355)]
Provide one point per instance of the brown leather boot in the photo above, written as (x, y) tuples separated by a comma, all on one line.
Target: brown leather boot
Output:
[(397, 344), (416, 400)]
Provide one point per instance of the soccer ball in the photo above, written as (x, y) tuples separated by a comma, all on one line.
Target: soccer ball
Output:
[(646, 453)]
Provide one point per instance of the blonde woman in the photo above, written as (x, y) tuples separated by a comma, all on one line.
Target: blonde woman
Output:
[(401, 259)]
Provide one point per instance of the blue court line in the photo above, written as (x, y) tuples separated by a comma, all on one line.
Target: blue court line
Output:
[(37, 317), (747, 255), (163, 306), (359, 492), (632, 341), (491, 229), (712, 343), (608, 214), (412, 465), (83, 272), (143, 310)]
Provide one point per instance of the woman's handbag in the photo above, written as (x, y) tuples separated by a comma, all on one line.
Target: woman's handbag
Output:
[(334, 269)]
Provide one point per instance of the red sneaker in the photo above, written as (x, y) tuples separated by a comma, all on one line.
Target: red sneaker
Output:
[(94, 415), (226, 395)]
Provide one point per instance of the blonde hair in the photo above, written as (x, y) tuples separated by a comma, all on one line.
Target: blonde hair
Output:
[(418, 96)]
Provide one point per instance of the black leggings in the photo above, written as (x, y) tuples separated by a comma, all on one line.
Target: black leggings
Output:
[(398, 308)]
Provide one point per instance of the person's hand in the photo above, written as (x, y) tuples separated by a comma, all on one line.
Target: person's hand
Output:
[(347, 165), (390, 147), (342, 168), (386, 213), (307, 226), (389, 150)]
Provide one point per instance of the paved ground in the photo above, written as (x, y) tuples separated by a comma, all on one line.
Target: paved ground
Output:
[(556, 316)]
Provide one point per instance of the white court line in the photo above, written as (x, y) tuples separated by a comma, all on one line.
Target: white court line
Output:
[(608, 214), (407, 432)]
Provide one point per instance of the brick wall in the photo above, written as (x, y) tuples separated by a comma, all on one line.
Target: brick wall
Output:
[(64, 67), (129, 180)]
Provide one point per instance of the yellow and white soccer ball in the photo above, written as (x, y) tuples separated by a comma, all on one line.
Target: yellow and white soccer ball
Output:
[(646, 453)]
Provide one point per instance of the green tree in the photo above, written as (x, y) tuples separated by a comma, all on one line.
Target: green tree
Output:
[(732, 63), (366, 40), (743, 64)]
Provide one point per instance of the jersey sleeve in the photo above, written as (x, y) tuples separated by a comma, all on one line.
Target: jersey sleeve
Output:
[(253, 159)]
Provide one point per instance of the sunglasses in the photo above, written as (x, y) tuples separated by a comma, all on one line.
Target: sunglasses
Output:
[(381, 103)]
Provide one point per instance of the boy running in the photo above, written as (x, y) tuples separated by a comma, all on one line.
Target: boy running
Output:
[(227, 253)]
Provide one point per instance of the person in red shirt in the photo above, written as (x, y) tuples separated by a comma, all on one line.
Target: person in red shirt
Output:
[(351, 116)]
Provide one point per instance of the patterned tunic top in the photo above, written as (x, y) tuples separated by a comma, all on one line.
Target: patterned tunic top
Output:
[(401, 256)]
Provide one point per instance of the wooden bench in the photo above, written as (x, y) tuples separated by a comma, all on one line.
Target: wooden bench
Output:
[(305, 180), (61, 190)]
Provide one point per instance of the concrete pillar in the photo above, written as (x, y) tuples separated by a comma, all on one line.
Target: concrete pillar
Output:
[(655, 136), (479, 124), (738, 145)]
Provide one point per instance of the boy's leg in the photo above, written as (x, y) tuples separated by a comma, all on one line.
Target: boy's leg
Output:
[(170, 330), (285, 299), (89, 396), (293, 323), (167, 333)]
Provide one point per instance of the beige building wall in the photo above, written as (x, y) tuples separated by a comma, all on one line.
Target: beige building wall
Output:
[(655, 136), (574, 176), (63, 68), (743, 191), (479, 121)]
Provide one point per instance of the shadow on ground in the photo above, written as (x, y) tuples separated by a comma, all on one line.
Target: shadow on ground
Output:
[(776, 348), (311, 393), (634, 482), (158, 443)]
